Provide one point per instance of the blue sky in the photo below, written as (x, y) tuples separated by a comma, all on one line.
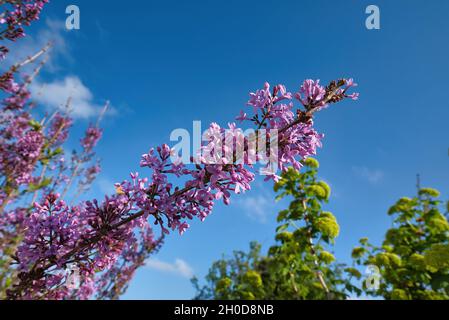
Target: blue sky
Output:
[(165, 64)]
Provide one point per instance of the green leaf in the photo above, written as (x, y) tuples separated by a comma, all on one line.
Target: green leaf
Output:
[(57, 151), (327, 225), (282, 227), (429, 192), (311, 163), (437, 257), (440, 281), (327, 257), (399, 294), (358, 252), (282, 215), (326, 188), (284, 236), (354, 272), (36, 126), (364, 241), (316, 191)]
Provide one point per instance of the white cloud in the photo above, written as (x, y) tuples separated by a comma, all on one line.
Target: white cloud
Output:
[(179, 267), (55, 95), (259, 205), (103, 34), (256, 207), (372, 176), (105, 185), (53, 32)]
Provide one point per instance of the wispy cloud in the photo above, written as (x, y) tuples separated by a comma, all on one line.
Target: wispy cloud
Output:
[(179, 267), (55, 95), (258, 206), (54, 32), (105, 185), (373, 176), (103, 34)]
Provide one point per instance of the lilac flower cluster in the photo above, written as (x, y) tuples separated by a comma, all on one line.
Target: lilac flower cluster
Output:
[(26, 147), (88, 177), (296, 136), (22, 14), (113, 282), (18, 158), (59, 128), (58, 236), (21, 144), (206, 184), (79, 162), (91, 138), (18, 98), (99, 238), (7, 83), (26, 154)]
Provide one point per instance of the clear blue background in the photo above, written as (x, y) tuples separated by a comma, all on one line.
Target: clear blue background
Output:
[(164, 64)]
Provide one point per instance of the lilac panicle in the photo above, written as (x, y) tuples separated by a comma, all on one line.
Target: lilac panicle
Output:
[(98, 237)]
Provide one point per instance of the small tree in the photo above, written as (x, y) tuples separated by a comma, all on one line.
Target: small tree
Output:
[(299, 265), (413, 261)]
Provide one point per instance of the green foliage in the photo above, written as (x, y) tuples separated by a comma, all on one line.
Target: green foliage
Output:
[(429, 192), (49, 154), (326, 257), (399, 294), (358, 252), (300, 261), (354, 272), (35, 187), (327, 225), (35, 125), (414, 258), (311, 163), (327, 189), (437, 257)]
